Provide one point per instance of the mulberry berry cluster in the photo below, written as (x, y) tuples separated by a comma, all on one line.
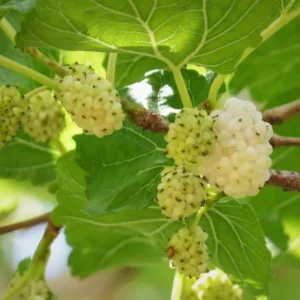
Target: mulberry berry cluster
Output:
[(91, 101), (190, 137), (215, 285), (180, 193), (46, 118), (239, 163), (34, 290), (188, 251), (13, 113)]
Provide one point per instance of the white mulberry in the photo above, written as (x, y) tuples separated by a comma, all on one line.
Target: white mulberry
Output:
[(215, 285), (180, 193), (46, 118), (13, 113), (240, 162), (35, 289), (188, 251), (190, 137), (92, 102)]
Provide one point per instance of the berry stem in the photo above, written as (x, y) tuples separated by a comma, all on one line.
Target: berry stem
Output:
[(111, 68), (280, 22), (10, 64), (201, 211), (177, 286), (183, 92), (214, 89), (38, 263), (60, 146), (8, 30), (36, 91), (42, 58)]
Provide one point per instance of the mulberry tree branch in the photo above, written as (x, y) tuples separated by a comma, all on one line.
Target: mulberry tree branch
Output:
[(25, 224), (279, 114), (278, 141), (145, 118), (287, 180)]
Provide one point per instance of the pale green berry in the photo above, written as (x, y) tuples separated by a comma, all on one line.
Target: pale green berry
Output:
[(215, 285), (190, 137), (34, 289), (46, 118), (180, 193), (13, 113), (187, 251), (92, 103)]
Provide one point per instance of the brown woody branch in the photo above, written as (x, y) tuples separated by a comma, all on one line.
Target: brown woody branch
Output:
[(279, 114), (145, 118), (287, 180), (25, 224), (278, 141)]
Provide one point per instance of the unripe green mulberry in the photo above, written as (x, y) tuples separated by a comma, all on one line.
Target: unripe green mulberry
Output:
[(33, 290), (188, 251), (46, 118), (215, 285), (92, 102), (13, 113), (190, 137), (180, 193)]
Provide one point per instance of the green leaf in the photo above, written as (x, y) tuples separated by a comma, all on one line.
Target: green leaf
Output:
[(123, 168), (272, 71), (209, 33), (19, 5), (238, 245), (165, 91), (132, 68), (23, 159), (7, 49), (135, 237), (139, 237)]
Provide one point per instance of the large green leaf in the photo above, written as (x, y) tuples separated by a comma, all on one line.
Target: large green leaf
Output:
[(139, 237), (123, 168), (210, 33), (23, 159), (19, 5), (272, 71), (237, 244), (7, 49), (132, 68)]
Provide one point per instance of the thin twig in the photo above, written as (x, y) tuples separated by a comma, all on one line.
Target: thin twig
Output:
[(278, 141), (287, 180), (25, 224), (37, 266), (279, 114)]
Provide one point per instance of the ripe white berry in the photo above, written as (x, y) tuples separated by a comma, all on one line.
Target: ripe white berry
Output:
[(215, 285), (91, 101), (46, 118), (188, 251), (240, 162), (180, 193), (190, 137), (13, 113), (34, 290)]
